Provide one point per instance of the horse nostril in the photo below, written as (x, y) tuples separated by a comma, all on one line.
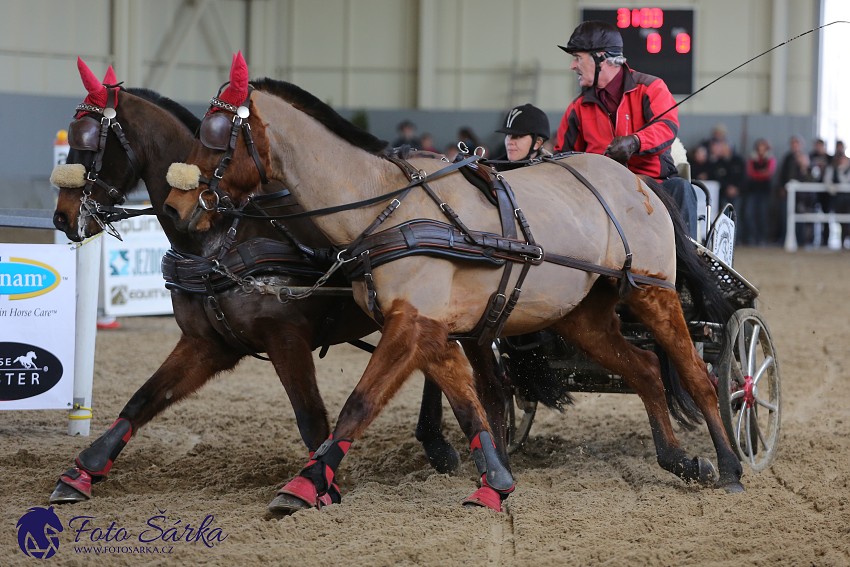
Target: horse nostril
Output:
[(170, 212), (60, 221)]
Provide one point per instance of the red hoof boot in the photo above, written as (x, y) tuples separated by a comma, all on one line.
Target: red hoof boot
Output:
[(74, 486), (300, 494), (485, 497)]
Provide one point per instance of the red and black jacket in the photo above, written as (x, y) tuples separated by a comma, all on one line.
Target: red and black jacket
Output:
[(586, 127)]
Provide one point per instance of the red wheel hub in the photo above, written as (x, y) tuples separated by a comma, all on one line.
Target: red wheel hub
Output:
[(749, 391)]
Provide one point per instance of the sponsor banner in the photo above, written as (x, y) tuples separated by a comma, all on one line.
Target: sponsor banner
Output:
[(132, 272), (37, 326)]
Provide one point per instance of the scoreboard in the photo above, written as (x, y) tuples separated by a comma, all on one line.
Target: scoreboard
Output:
[(656, 41)]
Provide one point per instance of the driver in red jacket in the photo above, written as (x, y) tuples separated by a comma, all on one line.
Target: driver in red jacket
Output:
[(614, 112)]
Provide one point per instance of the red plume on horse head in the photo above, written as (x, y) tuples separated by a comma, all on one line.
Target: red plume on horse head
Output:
[(95, 87), (237, 91)]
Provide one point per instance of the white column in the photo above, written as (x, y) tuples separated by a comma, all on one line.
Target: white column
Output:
[(779, 59), (88, 282), (127, 55), (426, 77)]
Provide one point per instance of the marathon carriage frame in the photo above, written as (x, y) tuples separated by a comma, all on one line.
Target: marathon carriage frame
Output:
[(744, 365)]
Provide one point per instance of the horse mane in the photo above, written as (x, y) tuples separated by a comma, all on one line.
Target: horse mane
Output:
[(327, 116), (183, 114)]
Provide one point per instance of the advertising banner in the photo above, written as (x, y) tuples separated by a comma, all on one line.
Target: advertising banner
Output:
[(132, 273), (37, 326)]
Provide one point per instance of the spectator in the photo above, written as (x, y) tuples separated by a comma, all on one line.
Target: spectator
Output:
[(728, 168), (719, 133), (838, 172), (760, 169), (427, 141), (407, 135), (818, 160), (794, 165), (700, 166)]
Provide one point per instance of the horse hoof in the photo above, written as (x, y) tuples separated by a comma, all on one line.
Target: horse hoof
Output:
[(300, 494), (286, 505), (443, 457), (732, 487), (707, 473), (64, 494)]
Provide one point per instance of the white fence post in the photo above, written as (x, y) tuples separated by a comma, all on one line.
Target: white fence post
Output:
[(88, 282), (791, 213)]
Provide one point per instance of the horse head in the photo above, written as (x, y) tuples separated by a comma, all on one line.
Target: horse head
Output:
[(93, 168), (109, 151), (200, 188), (258, 135)]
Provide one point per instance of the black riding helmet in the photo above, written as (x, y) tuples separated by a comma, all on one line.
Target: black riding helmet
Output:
[(526, 119), (594, 36)]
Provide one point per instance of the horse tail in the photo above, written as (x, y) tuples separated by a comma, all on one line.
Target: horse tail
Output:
[(692, 277)]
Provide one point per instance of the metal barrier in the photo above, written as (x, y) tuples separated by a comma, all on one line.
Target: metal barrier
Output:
[(832, 220)]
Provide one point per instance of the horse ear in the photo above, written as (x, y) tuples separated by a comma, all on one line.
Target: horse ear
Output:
[(95, 88), (110, 78), (237, 91), (90, 81)]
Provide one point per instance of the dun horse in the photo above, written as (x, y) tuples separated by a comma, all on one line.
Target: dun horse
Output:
[(596, 225), (146, 133)]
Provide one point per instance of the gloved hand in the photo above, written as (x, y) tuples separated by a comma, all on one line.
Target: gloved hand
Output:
[(621, 148)]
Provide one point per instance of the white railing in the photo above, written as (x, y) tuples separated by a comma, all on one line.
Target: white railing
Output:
[(831, 220)]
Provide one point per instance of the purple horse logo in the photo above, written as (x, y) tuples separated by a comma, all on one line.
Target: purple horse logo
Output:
[(38, 532)]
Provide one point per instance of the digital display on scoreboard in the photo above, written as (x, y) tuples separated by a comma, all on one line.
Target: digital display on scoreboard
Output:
[(656, 41)]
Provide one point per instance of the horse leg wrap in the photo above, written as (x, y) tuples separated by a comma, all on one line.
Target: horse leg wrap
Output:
[(320, 470), (98, 458), (496, 481), (305, 490), (94, 463)]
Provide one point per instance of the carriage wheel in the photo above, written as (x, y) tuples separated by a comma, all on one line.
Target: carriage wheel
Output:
[(518, 433), (748, 389)]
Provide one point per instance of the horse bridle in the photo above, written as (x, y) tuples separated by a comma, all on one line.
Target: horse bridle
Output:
[(89, 134), (217, 132)]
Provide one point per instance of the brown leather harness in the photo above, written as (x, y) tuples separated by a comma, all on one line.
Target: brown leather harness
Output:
[(454, 240)]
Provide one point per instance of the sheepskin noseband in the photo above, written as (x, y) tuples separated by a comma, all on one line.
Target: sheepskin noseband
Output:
[(68, 175), (183, 176)]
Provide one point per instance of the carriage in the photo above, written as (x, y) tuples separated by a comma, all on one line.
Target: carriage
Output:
[(739, 353)]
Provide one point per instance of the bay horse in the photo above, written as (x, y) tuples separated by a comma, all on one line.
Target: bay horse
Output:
[(586, 214), (214, 338)]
